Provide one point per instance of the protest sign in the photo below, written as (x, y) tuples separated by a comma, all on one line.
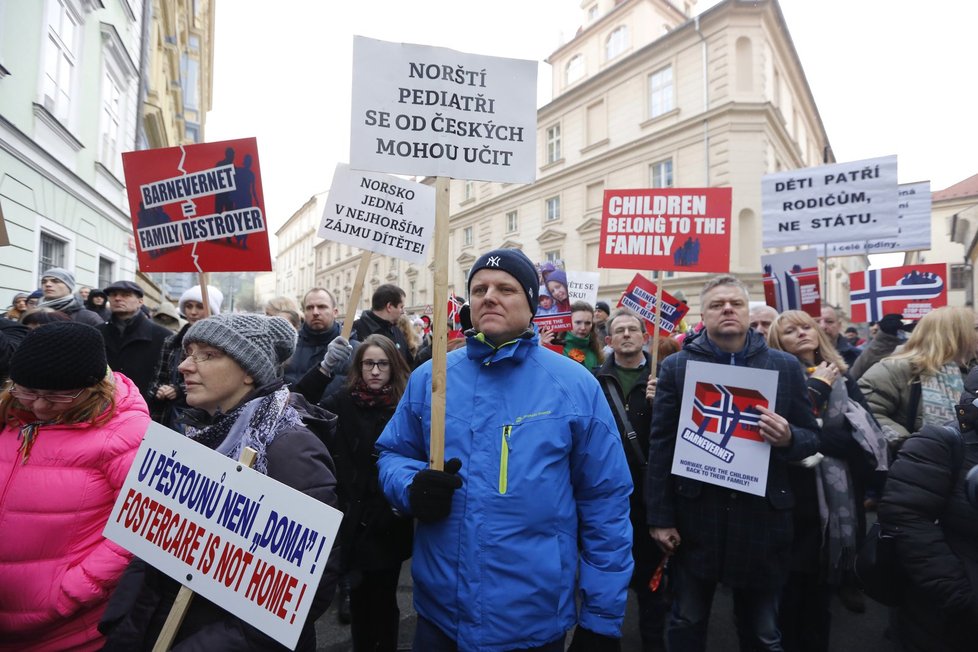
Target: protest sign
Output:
[(791, 281), (431, 111), (913, 226), (639, 297), (910, 290), (559, 290), (830, 202), (678, 229), (252, 545), (379, 213), (198, 208), (719, 439)]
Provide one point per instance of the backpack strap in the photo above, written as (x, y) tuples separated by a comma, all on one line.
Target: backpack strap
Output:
[(629, 438)]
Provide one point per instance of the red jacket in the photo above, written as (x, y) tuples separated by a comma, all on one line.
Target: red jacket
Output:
[(56, 569)]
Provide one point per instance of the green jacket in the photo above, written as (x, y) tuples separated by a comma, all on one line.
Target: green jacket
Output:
[(575, 346)]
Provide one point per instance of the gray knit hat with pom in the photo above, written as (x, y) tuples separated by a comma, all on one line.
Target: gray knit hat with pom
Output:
[(259, 344)]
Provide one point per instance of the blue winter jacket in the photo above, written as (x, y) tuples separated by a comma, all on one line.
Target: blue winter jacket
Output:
[(542, 466)]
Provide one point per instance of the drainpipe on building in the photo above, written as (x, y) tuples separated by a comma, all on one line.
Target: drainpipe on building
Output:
[(706, 103), (143, 56)]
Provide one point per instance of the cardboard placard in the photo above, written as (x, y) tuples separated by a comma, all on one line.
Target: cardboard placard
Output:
[(244, 541), (639, 297), (676, 229), (913, 226), (909, 290), (791, 281), (198, 208)]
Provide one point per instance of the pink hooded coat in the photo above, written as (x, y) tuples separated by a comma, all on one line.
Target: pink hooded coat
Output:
[(56, 569)]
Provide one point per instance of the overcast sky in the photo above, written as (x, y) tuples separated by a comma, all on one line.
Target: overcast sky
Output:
[(888, 76)]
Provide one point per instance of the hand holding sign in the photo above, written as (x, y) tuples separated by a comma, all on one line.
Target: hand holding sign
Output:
[(774, 428)]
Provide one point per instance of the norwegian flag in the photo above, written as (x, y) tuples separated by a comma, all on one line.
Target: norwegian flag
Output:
[(911, 291), (454, 312), (727, 412)]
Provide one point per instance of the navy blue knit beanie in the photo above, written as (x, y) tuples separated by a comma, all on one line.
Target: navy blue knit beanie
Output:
[(515, 263)]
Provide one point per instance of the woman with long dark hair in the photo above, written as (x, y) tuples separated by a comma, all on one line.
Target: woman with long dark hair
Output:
[(374, 541), (69, 431)]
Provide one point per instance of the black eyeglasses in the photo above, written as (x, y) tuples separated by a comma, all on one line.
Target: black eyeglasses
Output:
[(368, 365)]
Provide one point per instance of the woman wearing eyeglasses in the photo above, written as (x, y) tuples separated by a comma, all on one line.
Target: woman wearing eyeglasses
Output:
[(373, 539), (232, 371), (70, 433)]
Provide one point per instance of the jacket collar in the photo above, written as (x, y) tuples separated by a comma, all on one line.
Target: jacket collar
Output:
[(477, 347), (702, 345)]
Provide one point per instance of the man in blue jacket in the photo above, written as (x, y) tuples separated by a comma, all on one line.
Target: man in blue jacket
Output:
[(531, 511), (717, 534)]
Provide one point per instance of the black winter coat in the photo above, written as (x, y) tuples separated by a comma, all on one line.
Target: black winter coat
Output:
[(370, 324), (925, 506), (729, 536), (136, 350), (142, 600), (372, 536), (309, 351), (645, 552)]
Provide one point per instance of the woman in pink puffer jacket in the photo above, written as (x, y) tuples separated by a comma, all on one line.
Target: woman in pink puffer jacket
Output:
[(70, 432)]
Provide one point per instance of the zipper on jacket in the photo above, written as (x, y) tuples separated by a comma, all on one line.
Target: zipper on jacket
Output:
[(504, 460)]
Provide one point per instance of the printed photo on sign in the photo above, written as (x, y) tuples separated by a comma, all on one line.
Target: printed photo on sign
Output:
[(250, 544), (380, 213), (558, 291), (639, 297), (791, 281), (667, 229), (910, 290), (719, 438), (428, 111), (198, 208), (829, 203), (913, 226)]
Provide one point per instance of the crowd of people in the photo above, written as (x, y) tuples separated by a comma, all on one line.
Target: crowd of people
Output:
[(556, 496)]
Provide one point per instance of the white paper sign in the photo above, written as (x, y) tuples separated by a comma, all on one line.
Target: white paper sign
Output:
[(247, 543), (430, 111), (380, 213), (913, 219), (830, 202), (718, 439)]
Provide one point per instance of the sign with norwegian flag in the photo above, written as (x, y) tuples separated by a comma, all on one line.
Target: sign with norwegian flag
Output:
[(719, 438), (910, 290), (639, 297)]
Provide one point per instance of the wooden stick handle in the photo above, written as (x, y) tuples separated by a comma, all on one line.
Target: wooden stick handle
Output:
[(182, 602), (439, 326), (351, 310)]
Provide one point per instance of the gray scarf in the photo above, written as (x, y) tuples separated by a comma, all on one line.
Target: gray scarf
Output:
[(68, 303), (836, 503)]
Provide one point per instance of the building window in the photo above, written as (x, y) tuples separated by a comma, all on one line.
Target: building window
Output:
[(468, 190), (553, 144), (553, 209), (393, 268), (597, 123), (660, 174), (53, 252), (59, 59), (660, 92), (574, 69), (106, 272), (553, 256), (959, 277), (111, 121), (512, 222), (616, 43), (467, 236), (595, 195)]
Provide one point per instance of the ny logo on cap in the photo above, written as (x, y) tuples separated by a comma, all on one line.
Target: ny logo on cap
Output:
[(493, 261)]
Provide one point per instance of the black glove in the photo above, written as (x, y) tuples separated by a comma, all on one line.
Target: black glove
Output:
[(891, 323), (430, 493), (587, 641)]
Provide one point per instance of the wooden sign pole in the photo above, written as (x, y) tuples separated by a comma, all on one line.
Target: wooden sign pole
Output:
[(656, 311), (202, 280), (182, 602), (351, 309), (439, 326)]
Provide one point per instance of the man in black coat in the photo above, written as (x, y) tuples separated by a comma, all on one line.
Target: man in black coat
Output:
[(625, 375), (318, 330), (133, 342), (386, 307), (716, 534)]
